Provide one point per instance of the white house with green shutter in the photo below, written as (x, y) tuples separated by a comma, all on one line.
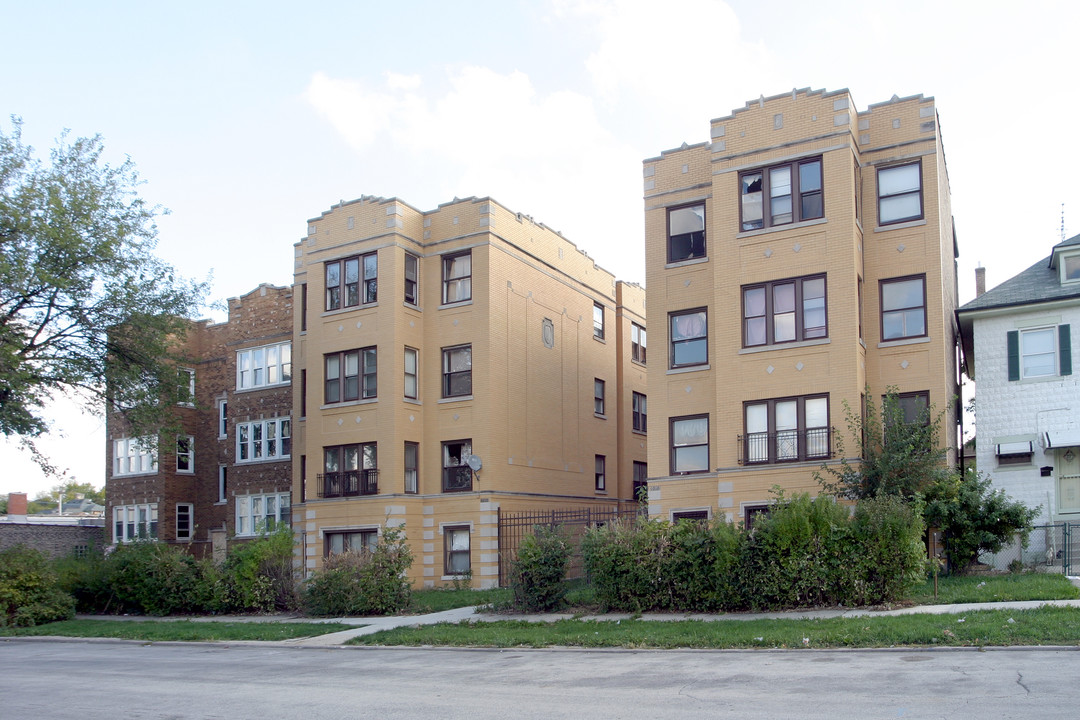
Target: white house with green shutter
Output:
[(1018, 343)]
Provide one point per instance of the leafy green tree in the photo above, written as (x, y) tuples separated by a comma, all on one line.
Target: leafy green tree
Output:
[(897, 455), (68, 490), (85, 308)]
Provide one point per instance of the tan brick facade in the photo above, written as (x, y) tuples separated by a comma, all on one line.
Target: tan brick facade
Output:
[(772, 366), (501, 323)]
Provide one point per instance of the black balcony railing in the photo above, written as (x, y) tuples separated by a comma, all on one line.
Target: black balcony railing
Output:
[(785, 446), (457, 479), (349, 483)]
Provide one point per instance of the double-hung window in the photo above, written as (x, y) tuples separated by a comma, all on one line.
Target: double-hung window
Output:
[(689, 338), (601, 473), (457, 560), (264, 366), (457, 277), (185, 387), (686, 233), (781, 194), (261, 513), (411, 374), (352, 281), (350, 470), (185, 454), (784, 311), (640, 412), (598, 396), (903, 308), (412, 277), (637, 343), (899, 193), (412, 467), (134, 456), (457, 371), (185, 528), (356, 541), (689, 444), (598, 321), (351, 375), (1039, 352), (135, 522), (457, 475), (264, 440), (786, 430)]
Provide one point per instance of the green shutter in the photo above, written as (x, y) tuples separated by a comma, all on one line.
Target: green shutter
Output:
[(1014, 354), (1065, 345)]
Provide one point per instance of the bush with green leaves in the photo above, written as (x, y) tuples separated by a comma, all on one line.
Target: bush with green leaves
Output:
[(154, 578), (368, 582), (887, 551), (258, 574), (29, 590), (623, 562), (538, 574), (974, 517)]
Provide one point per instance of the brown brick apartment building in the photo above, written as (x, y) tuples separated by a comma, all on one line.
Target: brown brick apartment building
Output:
[(229, 475), (452, 364), (803, 254)]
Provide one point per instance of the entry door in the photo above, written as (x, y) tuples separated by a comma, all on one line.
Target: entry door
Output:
[(1068, 490)]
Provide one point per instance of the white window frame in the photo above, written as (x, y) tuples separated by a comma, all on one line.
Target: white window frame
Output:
[(135, 522), (222, 483), (901, 192), (252, 513), (414, 375), (133, 456), (449, 531), (1066, 260), (223, 418), (267, 440), (254, 367), (189, 390), (188, 454), (412, 275), (189, 511), (1024, 355)]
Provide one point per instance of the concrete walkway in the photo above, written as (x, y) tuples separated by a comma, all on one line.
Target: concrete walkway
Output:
[(370, 625)]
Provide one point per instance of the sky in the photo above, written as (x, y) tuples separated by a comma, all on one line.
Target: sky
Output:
[(245, 119)]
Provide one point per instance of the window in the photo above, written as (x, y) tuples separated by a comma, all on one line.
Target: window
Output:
[(343, 282), (223, 419), (411, 379), (457, 475), (637, 343), (457, 560), (134, 456), (786, 430), (457, 278), (351, 470), (689, 338), (686, 233), (690, 444), (601, 473), (598, 321), (1070, 270), (781, 194), (696, 516), (640, 412), (899, 193), (351, 375), (264, 366), (184, 527), (1040, 352), (914, 407), (303, 307), (784, 311), (598, 396), (412, 275), (261, 513), (303, 393), (903, 308), (185, 454), (641, 481), (263, 440), (1014, 453), (357, 541), (752, 513), (185, 387), (412, 467), (457, 371), (222, 483), (135, 522)]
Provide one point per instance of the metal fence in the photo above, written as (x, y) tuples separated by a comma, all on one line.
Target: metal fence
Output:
[(1046, 548), (515, 526)]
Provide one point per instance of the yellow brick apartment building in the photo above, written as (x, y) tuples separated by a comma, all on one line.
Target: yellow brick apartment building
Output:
[(450, 365), (804, 253)]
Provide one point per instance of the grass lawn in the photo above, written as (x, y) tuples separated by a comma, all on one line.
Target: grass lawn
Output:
[(1043, 626), (429, 601), (176, 630), (995, 588)]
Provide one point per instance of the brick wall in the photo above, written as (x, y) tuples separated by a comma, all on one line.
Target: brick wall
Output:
[(53, 540)]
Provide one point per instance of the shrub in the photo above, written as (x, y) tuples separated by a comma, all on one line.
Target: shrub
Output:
[(29, 590), (362, 583), (258, 575), (623, 562), (155, 579), (889, 558), (537, 575)]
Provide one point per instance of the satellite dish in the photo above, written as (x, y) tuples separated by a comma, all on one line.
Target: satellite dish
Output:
[(475, 463)]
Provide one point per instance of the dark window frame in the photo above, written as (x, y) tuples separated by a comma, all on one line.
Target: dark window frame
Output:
[(673, 344), (344, 294), (414, 469), (638, 342), (449, 532), (639, 404), (362, 538), (769, 314), (598, 321), (349, 482), (415, 374), (461, 281), (695, 241), (882, 311), (908, 193), (343, 388), (641, 480), (673, 448), (450, 378), (805, 436), (412, 283), (804, 204), (456, 477), (599, 396), (600, 473)]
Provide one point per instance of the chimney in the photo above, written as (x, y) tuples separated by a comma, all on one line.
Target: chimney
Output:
[(980, 280), (17, 504)]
